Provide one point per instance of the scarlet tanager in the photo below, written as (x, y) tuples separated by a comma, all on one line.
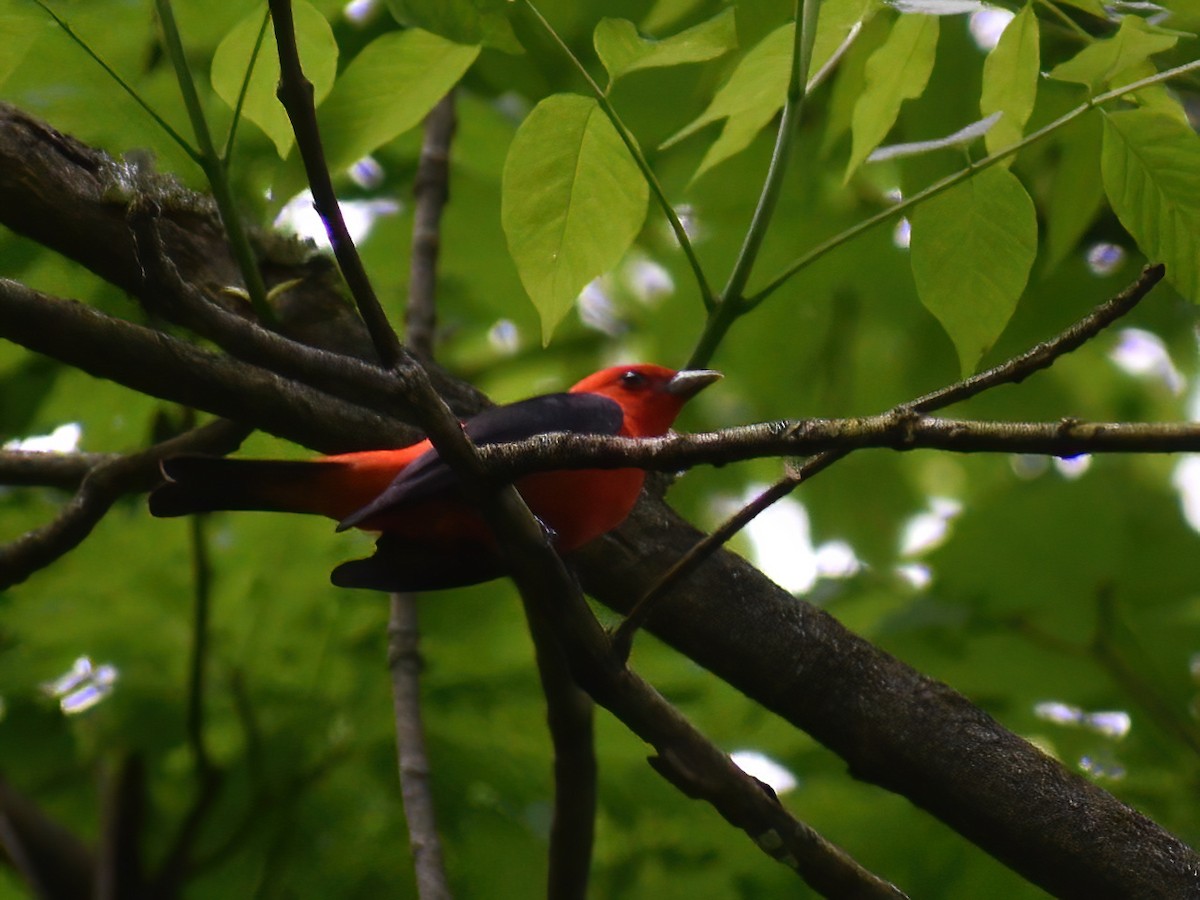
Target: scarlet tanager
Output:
[(430, 536)]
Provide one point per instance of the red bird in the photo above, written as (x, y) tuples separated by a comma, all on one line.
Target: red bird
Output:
[(430, 536)]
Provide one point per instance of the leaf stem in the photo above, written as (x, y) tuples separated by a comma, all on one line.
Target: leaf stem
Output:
[(1070, 24), (162, 123), (732, 304), (707, 296), (214, 170), (950, 181), (241, 98)]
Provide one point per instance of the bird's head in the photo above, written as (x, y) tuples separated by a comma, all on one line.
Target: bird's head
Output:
[(650, 396)]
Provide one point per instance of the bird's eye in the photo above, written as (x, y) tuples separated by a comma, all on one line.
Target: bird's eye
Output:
[(633, 380)]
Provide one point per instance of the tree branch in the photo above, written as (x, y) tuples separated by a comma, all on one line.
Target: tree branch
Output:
[(104, 483), (404, 657), (295, 92), (404, 663)]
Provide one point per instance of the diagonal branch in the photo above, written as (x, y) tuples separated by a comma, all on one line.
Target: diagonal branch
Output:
[(296, 94), (1013, 371)]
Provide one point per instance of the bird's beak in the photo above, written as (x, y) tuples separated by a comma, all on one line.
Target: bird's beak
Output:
[(690, 382)]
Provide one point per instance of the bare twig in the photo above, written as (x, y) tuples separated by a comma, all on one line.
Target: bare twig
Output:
[(202, 595), (404, 663), (296, 94), (1012, 371), (569, 713), (99, 489), (684, 756), (431, 190)]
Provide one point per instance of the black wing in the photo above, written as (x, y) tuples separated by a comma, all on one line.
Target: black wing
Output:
[(427, 475), (404, 564)]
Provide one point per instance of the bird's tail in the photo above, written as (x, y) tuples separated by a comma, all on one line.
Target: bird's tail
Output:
[(333, 487)]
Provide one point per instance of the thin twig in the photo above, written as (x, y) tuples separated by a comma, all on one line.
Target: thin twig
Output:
[(296, 94), (684, 756), (227, 153), (100, 488), (431, 192), (950, 181), (1013, 371), (214, 167), (732, 303), (137, 98), (198, 662), (404, 664)]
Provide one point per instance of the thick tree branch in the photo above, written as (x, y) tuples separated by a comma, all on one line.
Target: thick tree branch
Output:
[(160, 366)]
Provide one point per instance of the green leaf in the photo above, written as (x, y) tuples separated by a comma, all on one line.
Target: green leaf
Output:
[(897, 71), (665, 13), (386, 90), (21, 27), (572, 201), (1010, 77), (318, 54), (1150, 163), (621, 49), (972, 248), (1095, 7), (462, 21), (1107, 62), (757, 88)]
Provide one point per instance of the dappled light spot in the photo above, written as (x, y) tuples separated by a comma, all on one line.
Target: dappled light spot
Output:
[(781, 544), (299, 217), (82, 686), (1028, 466), (1186, 480), (929, 529), (1098, 767), (367, 173), (759, 765), (505, 336), (360, 12), (1073, 467), (917, 575), (1104, 258), (690, 220), (597, 310), (646, 280), (1111, 724), (987, 25), (902, 234), (63, 439), (1143, 353)]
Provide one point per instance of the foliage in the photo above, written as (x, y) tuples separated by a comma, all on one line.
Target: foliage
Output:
[(1051, 583)]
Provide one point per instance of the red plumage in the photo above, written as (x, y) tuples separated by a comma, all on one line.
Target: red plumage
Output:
[(430, 536)]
